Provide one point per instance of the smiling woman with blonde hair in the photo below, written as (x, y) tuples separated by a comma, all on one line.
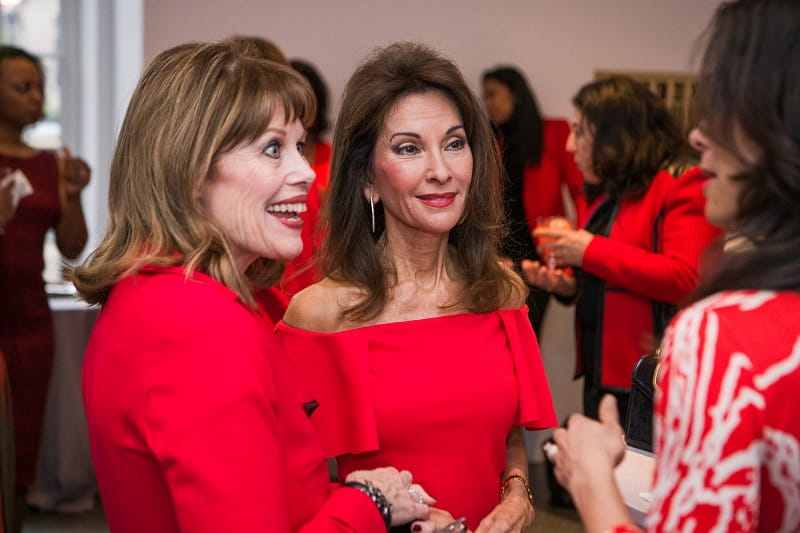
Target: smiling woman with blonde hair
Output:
[(196, 422)]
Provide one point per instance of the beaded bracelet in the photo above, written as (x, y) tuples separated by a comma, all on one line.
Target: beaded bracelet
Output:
[(524, 481), (377, 497)]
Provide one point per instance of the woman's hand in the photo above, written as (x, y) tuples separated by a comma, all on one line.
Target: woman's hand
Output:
[(556, 280), (75, 174), (409, 501), (588, 450), (512, 515), (585, 455), (568, 247), (71, 232)]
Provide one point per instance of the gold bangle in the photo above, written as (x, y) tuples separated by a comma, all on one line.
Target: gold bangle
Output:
[(524, 481)]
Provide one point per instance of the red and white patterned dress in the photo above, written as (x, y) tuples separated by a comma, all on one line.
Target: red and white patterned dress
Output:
[(727, 423)]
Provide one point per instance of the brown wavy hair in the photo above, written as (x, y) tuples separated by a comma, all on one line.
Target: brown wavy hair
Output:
[(193, 103), (749, 82), (350, 253), (634, 134)]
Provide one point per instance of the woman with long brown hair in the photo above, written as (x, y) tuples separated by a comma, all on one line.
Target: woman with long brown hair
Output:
[(418, 339)]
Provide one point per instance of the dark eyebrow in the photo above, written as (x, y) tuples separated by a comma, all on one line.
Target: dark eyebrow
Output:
[(406, 134), (418, 136)]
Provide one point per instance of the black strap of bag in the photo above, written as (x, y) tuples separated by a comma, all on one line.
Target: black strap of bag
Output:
[(639, 417), (662, 312)]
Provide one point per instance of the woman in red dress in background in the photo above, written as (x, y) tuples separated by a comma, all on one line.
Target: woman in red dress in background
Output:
[(639, 251), (26, 329), (418, 341), (537, 167)]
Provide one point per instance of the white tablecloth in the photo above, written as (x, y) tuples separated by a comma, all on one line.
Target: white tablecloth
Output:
[(634, 479), (65, 480)]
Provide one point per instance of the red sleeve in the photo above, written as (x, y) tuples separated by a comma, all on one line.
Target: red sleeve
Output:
[(536, 409), (336, 368), (213, 425), (670, 274), (349, 510)]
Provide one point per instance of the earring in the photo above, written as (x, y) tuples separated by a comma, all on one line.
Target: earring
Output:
[(372, 210)]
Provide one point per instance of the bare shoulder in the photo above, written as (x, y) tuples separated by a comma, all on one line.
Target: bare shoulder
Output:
[(319, 307), (519, 291)]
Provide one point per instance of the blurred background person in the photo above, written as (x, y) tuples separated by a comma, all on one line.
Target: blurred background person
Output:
[(418, 342), (26, 327), (727, 432), (7, 206), (639, 251), (196, 420), (537, 168), (317, 148)]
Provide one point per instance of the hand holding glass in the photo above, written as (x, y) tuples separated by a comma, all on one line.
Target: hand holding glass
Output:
[(548, 253)]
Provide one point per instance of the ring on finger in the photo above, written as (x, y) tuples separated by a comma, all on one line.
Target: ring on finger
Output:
[(414, 492)]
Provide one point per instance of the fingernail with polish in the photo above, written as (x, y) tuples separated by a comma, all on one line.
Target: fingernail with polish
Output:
[(416, 528)]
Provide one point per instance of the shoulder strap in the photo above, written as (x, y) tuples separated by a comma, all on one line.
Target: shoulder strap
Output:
[(662, 312)]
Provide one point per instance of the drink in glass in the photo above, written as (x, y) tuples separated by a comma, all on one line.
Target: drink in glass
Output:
[(547, 253)]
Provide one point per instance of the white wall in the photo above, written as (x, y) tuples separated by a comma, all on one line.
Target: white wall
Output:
[(102, 58), (557, 43)]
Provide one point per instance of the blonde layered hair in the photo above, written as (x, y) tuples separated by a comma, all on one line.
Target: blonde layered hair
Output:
[(193, 103)]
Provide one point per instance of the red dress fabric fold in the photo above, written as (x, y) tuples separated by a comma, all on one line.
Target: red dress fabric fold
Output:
[(435, 396)]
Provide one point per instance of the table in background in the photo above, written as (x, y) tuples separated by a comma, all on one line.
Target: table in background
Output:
[(65, 477), (635, 477)]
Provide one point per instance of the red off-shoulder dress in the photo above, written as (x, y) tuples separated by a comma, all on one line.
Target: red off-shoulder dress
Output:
[(436, 396)]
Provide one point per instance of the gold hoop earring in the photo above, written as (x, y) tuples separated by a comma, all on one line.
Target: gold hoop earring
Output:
[(372, 211)]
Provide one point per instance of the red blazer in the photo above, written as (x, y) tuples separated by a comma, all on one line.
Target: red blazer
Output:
[(195, 421), (541, 186), (635, 275)]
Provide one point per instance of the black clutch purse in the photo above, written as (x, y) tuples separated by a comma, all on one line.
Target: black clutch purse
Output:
[(639, 419)]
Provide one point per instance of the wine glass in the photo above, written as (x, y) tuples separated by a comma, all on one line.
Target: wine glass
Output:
[(552, 222)]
